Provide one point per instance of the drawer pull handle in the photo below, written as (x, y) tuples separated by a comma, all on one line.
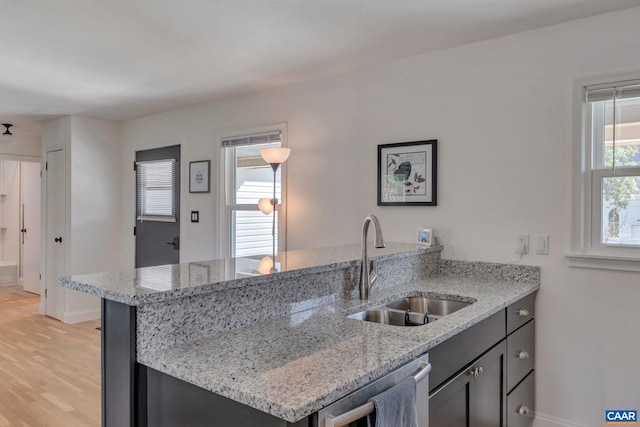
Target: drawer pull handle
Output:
[(476, 372), (523, 312), (523, 410), (523, 354)]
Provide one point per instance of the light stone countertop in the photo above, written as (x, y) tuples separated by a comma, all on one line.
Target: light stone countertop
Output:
[(293, 366), (161, 283)]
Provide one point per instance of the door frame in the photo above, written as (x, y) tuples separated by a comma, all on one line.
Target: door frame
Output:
[(43, 220)]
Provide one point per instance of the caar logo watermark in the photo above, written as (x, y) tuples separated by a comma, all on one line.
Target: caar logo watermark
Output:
[(621, 417)]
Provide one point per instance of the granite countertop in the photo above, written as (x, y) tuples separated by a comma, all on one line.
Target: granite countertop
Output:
[(161, 283), (296, 365)]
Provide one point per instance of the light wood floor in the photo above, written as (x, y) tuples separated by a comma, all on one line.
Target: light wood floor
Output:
[(49, 371), (13, 292)]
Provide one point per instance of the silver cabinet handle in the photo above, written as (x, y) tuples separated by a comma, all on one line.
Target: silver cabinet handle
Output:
[(523, 354), (523, 410), (476, 372), (366, 409), (523, 312)]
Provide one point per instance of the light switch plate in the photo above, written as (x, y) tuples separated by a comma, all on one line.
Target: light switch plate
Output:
[(542, 244)]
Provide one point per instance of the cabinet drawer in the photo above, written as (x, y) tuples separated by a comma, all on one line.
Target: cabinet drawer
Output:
[(521, 403), (520, 354), (455, 353), (520, 312)]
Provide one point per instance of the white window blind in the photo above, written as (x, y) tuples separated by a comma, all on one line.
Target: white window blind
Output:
[(253, 139), (607, 92), (155, 182)]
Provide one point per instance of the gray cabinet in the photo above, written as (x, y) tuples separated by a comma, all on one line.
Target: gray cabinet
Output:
[(474, 397), (484, 376), (521, 362)]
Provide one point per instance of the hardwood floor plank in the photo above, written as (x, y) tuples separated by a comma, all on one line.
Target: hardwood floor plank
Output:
[(49, 371)]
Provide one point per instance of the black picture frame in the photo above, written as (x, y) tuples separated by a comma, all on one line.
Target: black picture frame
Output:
[(407, 173), (200, 176)]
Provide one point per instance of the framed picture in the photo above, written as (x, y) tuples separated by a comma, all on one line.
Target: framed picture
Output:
[(425, 237), (199, 179), (407, 173)]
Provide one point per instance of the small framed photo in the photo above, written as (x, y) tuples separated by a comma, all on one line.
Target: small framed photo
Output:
[(425, 237), (199, 176), (407, 173)]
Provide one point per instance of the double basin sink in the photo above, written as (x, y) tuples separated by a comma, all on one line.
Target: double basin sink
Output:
[(411, 311)]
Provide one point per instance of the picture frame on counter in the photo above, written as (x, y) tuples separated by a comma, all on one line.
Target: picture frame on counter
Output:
[(200, 176), (425, 237), (407, 173)]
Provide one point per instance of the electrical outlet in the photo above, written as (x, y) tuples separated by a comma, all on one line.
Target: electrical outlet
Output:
[(522, 243)]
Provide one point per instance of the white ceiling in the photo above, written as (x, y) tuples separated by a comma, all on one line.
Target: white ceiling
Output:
[(122, 59)]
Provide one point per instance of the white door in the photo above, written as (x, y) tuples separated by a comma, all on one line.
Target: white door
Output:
[(30, 226), (55, 227)]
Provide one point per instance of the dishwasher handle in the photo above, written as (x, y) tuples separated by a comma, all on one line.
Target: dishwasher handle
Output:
[(368, 408)]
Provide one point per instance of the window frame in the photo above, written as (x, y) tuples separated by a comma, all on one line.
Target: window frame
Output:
[(587, 251), (227, 188)]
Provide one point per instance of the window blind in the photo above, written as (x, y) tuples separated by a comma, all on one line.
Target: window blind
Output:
[(155, 183), (252, 139), (621, 90)]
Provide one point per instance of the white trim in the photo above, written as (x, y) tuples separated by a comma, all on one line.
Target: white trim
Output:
[(584, 252), (542, 420), (80, 316), (603, 262)]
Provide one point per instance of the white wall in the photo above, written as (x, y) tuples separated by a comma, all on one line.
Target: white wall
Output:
[(502, 112), (28, 135), (94, 153)]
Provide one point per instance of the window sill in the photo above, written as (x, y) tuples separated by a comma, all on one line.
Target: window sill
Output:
[(603, 262)]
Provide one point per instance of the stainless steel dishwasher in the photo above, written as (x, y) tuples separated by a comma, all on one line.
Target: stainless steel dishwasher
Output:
[(352, 410)]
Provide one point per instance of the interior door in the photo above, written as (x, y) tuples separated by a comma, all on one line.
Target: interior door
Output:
[(157, 236), (30, 226), (56, 240)]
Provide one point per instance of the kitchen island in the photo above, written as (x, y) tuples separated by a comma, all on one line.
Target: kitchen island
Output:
[(279, 342)]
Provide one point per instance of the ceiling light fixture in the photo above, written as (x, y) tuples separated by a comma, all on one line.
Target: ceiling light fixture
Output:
[(7, 137)]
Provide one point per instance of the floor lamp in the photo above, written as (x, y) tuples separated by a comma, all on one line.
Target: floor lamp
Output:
[(275, 156)]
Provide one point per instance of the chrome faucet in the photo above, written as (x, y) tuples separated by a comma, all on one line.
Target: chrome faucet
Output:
[(368, 273)]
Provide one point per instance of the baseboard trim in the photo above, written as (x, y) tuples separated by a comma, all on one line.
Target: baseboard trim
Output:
[(542, 420), (81, 316)]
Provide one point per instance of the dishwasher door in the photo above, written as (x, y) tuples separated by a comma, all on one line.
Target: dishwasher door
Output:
[(352, 410)]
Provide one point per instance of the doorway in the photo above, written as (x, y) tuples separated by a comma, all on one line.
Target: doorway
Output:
[(19, 229), (157, 230)]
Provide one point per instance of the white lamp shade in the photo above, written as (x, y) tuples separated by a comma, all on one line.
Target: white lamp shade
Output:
[(277, 155), (265, 206), (265, 266)]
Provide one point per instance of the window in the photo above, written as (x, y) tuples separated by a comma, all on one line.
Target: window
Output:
[(248, 178), (610, 172), (155, 184)]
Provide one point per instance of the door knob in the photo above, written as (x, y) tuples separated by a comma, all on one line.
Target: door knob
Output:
[(523, 354), (58, 239), (523, 312), (523, 410), (175, 243)]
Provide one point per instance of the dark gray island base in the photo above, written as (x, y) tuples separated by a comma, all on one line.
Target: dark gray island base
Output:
[(239, 349)]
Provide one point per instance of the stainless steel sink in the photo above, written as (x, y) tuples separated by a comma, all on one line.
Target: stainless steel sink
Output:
[(433, 306), (381, 315), (411, 311)]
